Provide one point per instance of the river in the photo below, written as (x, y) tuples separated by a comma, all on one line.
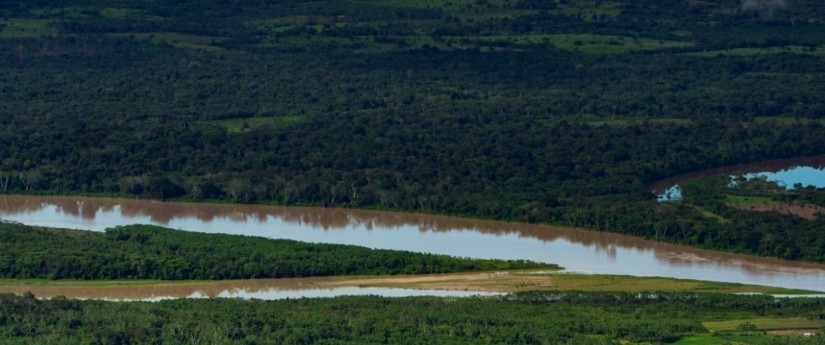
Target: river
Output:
[(576, 250)]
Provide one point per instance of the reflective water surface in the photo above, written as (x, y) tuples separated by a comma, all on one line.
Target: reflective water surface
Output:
[(802, 176), (806, 171), (576, 250)]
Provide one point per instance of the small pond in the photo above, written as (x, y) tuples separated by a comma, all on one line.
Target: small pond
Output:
[(804, 172)]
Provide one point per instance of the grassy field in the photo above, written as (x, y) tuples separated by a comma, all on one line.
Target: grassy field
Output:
[(315, 26), (788, 120), (246, 124), (589, 10), (745, 201), (25, 28), (505, 282), (710, 214), (629, 283), (477, 10), (624, 122), (80, 12), (722, 339), (453, 5), (465, 10), (584, 43), (89, 283), (179, 40), (820, 50), (764, 324)]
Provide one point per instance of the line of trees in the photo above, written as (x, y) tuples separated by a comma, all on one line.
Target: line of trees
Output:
[(560, 318)]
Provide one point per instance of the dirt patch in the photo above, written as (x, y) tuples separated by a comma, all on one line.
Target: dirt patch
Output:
[(805, 211), (486, 282)]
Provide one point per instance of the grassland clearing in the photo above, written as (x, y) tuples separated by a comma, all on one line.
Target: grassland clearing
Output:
[(247, 124), (799, 331), (81, 12), (12, 283), (179, 40), (20, 27), (768, 204), (792, 49), (789, 120), (809, 212), (765, 324), (584, 43), (514, 281), (624, 122), (502, 282), (591, 10), (710, 214), (454, 7), (722, 339), (749, 201)]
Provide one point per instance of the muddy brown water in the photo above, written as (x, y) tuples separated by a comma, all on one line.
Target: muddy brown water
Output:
[(576, 250)]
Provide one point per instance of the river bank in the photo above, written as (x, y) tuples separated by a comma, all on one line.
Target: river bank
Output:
[(454, 284)]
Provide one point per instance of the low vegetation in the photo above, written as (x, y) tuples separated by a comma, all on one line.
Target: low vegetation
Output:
[(553, 318), (764, 324), (812, 50), (497, 281), (590, 44)]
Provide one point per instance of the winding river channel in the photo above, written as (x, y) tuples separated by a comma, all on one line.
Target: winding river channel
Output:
[(576, 250)]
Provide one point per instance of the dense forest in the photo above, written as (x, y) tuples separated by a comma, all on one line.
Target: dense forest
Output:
[(530, 318), (148, 252), (740, 205), (542, 111)]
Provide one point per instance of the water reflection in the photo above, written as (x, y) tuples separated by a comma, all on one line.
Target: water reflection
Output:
[(577, 250)]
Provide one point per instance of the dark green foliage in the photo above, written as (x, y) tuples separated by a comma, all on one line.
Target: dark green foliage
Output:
[(418, 106), (804, 195), (819, 340), (561, 318), (746, 327), (148, 252), (763, 233)]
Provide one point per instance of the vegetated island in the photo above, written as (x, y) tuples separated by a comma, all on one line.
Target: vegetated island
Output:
[(151, 252)]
